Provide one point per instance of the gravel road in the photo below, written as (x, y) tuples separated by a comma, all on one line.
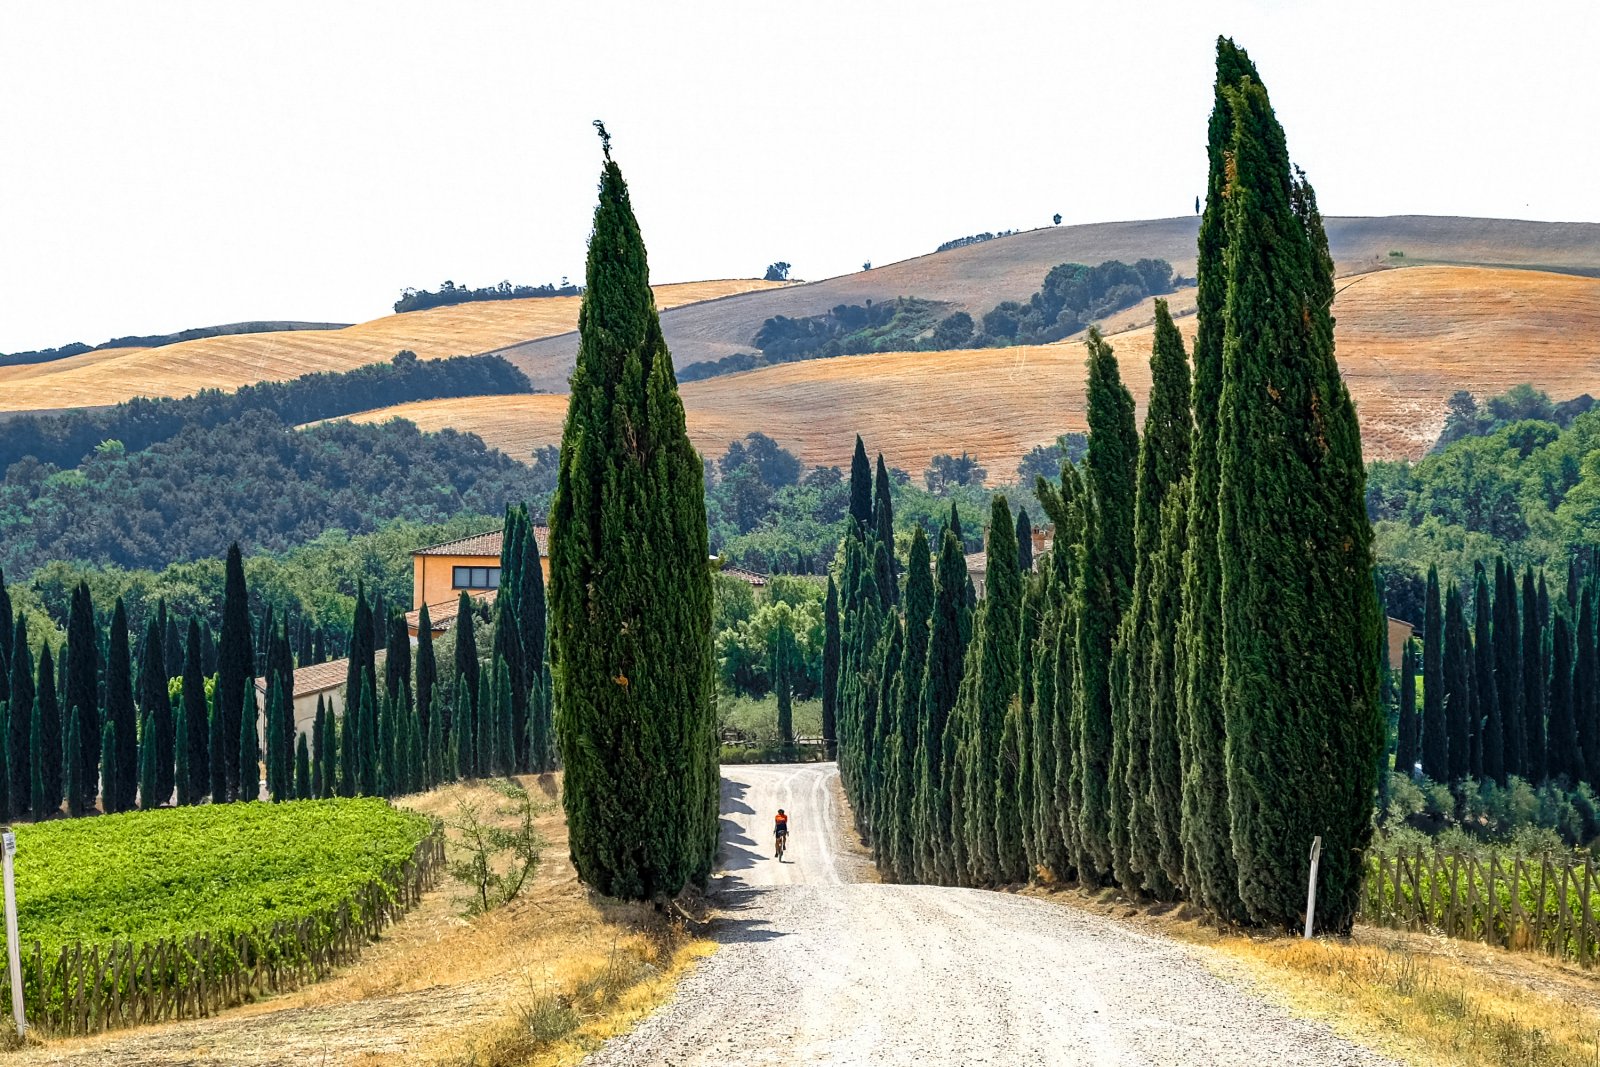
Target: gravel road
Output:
[(820, 966)]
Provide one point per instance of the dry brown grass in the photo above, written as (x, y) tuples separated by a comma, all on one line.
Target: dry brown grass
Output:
[(441, 989), (1407, 339), (229, 362), (1425, 1000)]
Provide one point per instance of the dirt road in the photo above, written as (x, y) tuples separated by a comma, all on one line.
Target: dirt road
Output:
[(819, 965)]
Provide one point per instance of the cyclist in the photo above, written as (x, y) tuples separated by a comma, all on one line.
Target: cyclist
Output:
[(780, 832)]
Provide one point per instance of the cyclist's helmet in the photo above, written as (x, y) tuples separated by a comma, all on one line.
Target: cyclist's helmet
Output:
[(780, 811)]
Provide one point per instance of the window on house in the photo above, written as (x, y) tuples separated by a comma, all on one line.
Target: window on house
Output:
[(475, 578)]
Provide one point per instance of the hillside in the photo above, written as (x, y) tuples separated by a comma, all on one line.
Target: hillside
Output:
[(112, 375), (976, 277), (1407, 340)]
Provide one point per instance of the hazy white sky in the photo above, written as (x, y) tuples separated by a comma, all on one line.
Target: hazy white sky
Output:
[(167, 165)]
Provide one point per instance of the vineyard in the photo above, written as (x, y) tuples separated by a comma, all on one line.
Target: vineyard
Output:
[(146, 916), (1541, 904)]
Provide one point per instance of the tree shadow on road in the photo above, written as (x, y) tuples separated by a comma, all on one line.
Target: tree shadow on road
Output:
[(733, 798), (737, 852), (728, 929)]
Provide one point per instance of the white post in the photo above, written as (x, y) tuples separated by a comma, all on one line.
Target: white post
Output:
[(1311, 889), (8, 849)]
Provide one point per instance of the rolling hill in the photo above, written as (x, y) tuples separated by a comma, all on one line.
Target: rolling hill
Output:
[(976, 277), (1407, 339), (116, 374)]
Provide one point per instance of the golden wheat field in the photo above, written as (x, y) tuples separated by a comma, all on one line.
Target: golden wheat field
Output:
[(228, 362), (1407, 339)]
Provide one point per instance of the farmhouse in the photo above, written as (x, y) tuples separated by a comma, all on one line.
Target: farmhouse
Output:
[(440, 572), (324, 680)]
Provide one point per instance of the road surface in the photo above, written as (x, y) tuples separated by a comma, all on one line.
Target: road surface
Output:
[(820, 966)]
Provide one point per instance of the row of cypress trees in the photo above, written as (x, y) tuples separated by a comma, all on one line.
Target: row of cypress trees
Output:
[(1515, 691), (1187, 692)]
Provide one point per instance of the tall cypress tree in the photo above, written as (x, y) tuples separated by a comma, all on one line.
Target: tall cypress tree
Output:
[(1435, 731), (47, 753), (1457, 675), (1566, 757), (1104, 594), (7, 644), (195, 718), (235, 665), (631, 646), (883, 529), (19, 761), (1300, 696), (427, 667), (1164, 684), (909, 728), (533, 617), (303, 789), (1533, 681), (995, 688), (465, 765), (830, 667), (1024, 541), (1163, 462), (1210, 871), (941, 681), (1408, 741), (249, 747), (155, 702), (83, 688), (218, 743), (149, 754), (466, 663), (110, 765), (120, 710), (507, 650), (279, 774), (1508, 669), (1489, 745), (368, 762), (1586, 685), (77, 779)]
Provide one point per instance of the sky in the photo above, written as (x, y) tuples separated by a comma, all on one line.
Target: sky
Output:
[(168, 165)]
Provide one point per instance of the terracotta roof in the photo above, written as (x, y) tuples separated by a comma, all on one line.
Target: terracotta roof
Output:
[(443, 616), (977, 561), (319, 677), (748, 576), (483, 544)]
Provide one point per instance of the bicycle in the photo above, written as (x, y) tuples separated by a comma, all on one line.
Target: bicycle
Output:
[(782, 844)]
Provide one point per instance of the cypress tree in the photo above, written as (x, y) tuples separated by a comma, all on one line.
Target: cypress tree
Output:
[(465, 766), (332, 735), (319, 752), (21, 688), (1168, 739), (82, 688), (1026, 713), (155, 701), (1508, 669), (860, 487), (1407, 741), (38, 800), (362, 657), (77, 786), (1024, 541), (7, 644), (110, 788), (1300, 697), (235, 666), (1566, 757), (830, 667), (1066, 507), (1163, 462), (507, 651), (630, 647), (909, 729), (47, 752), (941, 681), (194, 736), (120, 710), (427, 667), (397, 662), (303, 788), (483, 753), (367, 765), (533, 615), (1104, 593), (249, 748), (466, 662), (149, 755), (171, 648), (278, 775), (218, 743), (1435, 733), (182, 776), (883, 527), (1211, 875), (1456, 672), (1533, 681), (1486, 699), (1586, 686), (505, 723)]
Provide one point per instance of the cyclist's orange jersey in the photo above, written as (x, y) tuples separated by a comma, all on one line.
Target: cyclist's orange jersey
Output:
[(781, 823)]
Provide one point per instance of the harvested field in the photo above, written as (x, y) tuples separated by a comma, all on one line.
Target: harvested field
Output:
[(976, 277), (117, 374), (1407, 340)]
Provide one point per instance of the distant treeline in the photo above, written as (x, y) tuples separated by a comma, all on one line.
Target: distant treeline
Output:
[(1072, 296), (972, 239), (450, 293), (64, 440), (157, 340)]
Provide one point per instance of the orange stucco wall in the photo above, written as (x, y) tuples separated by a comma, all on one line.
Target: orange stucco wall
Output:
[(431, 576)]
